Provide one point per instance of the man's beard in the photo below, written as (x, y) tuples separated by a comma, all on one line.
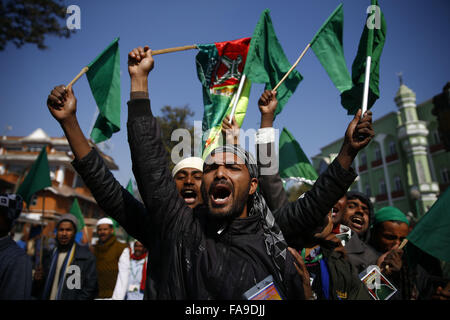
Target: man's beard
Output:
[(65, 247), (236, 208)]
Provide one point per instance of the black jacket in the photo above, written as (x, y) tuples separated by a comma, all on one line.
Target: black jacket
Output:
[(188, 259), (85, 260), (15, 271)]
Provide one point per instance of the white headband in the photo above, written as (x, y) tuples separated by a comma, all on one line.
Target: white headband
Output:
[(191, 162)]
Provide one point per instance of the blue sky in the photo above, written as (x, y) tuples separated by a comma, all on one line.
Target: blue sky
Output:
[(417, 44)]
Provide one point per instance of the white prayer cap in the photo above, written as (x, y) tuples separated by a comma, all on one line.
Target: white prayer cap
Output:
[(191, 162), (104, 221)]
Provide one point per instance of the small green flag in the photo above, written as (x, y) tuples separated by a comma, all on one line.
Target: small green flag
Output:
[(37, 178), (104, 79), (371, 44), (294, 164), (267, 63), (432, 233), (76, 211), (328, 47), (130, 187)]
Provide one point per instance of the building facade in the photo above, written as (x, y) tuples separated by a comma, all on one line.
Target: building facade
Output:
[(406, 164), (17, 154)]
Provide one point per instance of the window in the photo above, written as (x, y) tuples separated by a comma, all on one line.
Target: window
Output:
[(398, 183), (36, 147), (17, 169), (382, 187), (436, 138), (445, 174), (368, 191), (33, 200), (363, 159), (392, 148), (13, 148), (52, 172), (377, 153)]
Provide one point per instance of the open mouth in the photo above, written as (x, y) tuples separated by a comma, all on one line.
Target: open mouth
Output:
[(189, 196), (357, 222), (220, 194)]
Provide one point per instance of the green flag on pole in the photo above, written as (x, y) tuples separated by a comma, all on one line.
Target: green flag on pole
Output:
[(267, 63), (328, 47), (432, 233), (104, 79), (130, 187), (37, 178), (294, 164), (370, 45), (76, 211)]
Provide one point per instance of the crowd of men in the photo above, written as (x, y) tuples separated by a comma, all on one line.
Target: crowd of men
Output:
[(215, 229)]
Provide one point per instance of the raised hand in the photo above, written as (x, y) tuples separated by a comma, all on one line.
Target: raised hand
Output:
[(358, 135), (230, 131), (359, 128), (61, 103), (267, 104), (140, 62)]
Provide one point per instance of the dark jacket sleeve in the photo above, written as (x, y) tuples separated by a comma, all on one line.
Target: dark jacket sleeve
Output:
[(167, 209), (16, 281), (114, 200), (298, 219)]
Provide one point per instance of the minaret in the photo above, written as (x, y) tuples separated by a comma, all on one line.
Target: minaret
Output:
[(412, 134)]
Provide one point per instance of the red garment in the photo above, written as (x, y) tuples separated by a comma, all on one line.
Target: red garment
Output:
[(144, 269)]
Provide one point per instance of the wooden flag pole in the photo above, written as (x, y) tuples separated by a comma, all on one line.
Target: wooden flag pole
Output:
[(293, 67), (366, 86), (404, 242), (83, 71), (175, 49), (154, 53)]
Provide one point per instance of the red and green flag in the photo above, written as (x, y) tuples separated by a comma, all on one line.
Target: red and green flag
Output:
[(219, 68), (104, 79), (37, 178)]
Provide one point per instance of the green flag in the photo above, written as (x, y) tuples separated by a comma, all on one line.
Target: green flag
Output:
[(130, 187), (371, 44), (104, 79), (327, 46), (294, 164), (76, 211), (432, 233), (37, 178), (267, 63)]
